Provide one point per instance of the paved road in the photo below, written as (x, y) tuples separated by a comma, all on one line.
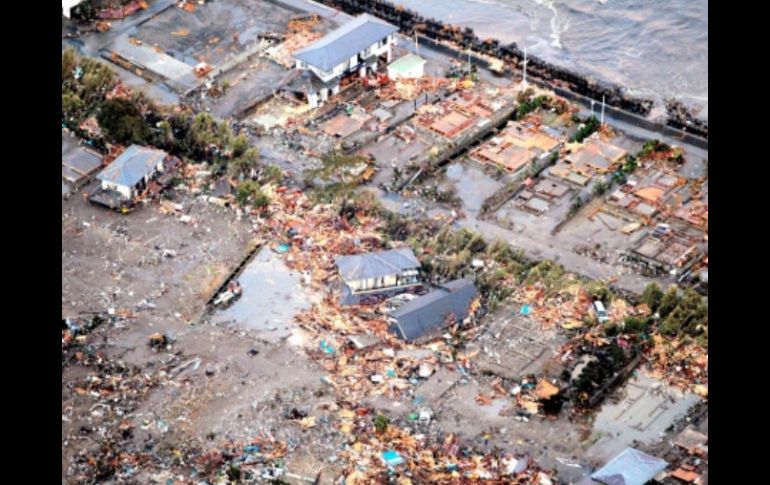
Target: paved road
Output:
[(538, 248)]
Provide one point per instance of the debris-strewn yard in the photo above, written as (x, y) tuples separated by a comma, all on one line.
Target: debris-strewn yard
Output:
[(559, 222)]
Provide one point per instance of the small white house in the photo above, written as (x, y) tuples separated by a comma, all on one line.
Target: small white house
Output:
[(68, 5), (354, 47), (408, 67), (130, 173)]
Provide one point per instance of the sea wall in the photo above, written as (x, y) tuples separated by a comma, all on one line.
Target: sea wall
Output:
[(411, 22)]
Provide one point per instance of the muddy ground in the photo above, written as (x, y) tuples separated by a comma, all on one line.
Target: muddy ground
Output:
[(225, 382)]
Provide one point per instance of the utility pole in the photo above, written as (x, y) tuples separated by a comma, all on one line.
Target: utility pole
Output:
[(592, 107), (524, 84), (469, 61), (602, 122), (416, 46)]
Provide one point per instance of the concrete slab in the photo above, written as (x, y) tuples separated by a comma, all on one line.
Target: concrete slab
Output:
[(159, 63), (438, 384), (645, 409)]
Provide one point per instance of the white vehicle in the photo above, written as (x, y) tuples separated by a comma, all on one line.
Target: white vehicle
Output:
[(601, 312)]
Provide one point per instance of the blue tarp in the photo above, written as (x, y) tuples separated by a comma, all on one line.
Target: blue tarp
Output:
[(392, 458), (525, 310)]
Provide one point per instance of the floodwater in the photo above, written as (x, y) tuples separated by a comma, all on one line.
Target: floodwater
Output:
[(272, 295), (656, 48), (473, 185)]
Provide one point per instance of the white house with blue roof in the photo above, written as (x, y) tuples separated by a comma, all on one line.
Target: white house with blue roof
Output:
[(353, 47), (129, 174)]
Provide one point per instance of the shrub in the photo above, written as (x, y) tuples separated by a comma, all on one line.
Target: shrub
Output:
[(652, 296), (381, 423), (590, 126), (122, 122)]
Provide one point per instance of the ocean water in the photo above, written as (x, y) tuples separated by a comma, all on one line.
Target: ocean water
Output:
[(655, 48)]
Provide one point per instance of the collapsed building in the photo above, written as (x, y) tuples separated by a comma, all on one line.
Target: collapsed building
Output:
[(515, 146), (647, 199), (666, 249), (594, 157)]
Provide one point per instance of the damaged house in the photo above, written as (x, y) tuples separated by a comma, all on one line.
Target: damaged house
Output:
[(424, 316), (377, 272), (130, 175), (354, 47)]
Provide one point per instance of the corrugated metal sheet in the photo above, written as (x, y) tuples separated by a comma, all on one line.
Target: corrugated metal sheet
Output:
[(340, 45)]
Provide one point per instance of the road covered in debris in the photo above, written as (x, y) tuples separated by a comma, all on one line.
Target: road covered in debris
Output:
[(210, 333)]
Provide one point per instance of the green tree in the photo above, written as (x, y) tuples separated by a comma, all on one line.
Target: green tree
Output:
[(203, 132), (598, 290), (381, 423), (630, 164), (600, 187), (242, 165), (590, 126), (97, 80), (121, 120), (652, 296), (250, 192), (272, 174), (239, 145), (69, 61), (674, 321), (668, 302), (636, 325), (73, 109)]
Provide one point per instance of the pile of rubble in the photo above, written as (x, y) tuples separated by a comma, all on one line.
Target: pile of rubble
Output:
[(409, 89), (684, 365), (422, 458)]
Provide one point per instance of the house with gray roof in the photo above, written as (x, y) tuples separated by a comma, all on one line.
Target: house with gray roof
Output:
[(378, 271), (353, 47), (429, 314), (129, 174)]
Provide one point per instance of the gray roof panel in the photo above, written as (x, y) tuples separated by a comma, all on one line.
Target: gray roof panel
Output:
[(429, 312), (132, 165), (345, 42), (376, 265)]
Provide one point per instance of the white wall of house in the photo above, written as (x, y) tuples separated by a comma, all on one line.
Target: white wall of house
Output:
[(67, 6), (312, 100), (124, 190), (131, 192), (373, 283)]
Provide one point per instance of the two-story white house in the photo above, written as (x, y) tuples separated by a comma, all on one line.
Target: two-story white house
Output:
[(354, 47)]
